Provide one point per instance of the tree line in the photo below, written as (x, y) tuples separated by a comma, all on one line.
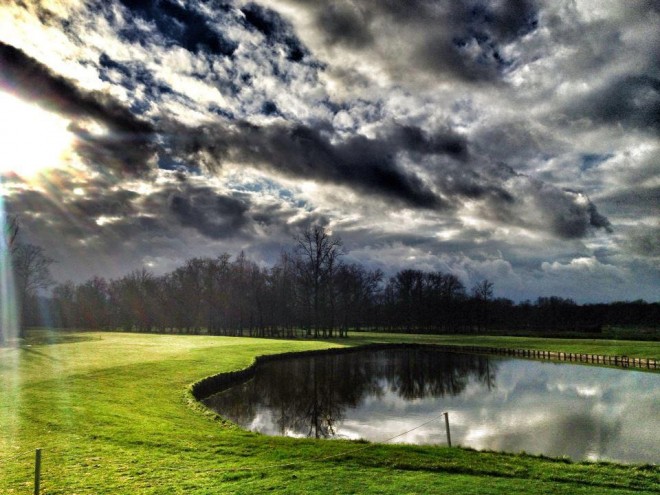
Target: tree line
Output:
[(307, 292), (310, 291)]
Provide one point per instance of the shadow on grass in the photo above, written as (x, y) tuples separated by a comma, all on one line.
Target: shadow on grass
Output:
[(30, 350), (46, 336)]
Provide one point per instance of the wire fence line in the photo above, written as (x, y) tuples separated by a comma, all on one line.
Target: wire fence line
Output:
[(30, 453), (10, 458), (322, 458), (319, 459), (244, 469)]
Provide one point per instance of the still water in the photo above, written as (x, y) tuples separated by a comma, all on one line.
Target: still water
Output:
[(494, 402)]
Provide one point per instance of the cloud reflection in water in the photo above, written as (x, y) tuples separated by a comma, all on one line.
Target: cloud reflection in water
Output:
[(495, 403)]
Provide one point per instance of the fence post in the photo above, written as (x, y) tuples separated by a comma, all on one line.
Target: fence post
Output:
[(37, 471), (447, 427)]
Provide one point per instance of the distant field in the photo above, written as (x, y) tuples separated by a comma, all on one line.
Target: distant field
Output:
[(610, 332), (648, 349), (112, 414)]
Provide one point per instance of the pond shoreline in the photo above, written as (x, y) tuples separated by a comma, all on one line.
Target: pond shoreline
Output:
[(217, 383)]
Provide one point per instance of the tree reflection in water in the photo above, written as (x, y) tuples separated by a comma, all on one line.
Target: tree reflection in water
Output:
[(308, 396)]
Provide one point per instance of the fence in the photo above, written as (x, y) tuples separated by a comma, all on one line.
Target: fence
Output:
[(609, 360)]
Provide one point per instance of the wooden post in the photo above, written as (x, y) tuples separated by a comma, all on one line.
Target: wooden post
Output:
[(37, 471), (447, 427)]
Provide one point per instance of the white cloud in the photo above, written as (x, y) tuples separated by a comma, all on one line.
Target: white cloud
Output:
[(585, 267)]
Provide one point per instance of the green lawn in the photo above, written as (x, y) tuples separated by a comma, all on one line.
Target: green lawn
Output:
[(112, 414), (642, 349)]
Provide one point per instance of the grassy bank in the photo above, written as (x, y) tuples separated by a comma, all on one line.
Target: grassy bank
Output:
[(642, 349), (110, 412)]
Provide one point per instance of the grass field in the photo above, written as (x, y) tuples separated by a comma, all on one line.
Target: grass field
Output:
[(112, 414)]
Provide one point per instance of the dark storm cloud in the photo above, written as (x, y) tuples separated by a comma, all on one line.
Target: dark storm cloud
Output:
[(216, 213), (570, 214), (212, 214), (365, 164), (179, 25), (596, 219), (126, 152), (346, 25), (635, 201), (106, 217), (645, 241), (570, 220), (373, 166), (510, 198), (469, 45), (632, 101), (99, 202), (275, 29), (470, 184), (127, 147), (415, 140), (461, 40)]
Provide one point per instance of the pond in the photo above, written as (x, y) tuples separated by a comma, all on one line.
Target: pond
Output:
[(496, 403)]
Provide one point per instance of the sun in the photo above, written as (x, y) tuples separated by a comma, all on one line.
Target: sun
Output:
[(32, 140)]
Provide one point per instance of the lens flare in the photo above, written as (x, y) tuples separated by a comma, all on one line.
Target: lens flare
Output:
[(8, 313)]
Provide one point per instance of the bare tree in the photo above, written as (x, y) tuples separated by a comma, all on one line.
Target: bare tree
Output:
[(283, 283), (483, 293), (409, 289), (65, 305), (356, 287), (92, 298), (319, 255), (31, 274), (134, 301), (483, 290)]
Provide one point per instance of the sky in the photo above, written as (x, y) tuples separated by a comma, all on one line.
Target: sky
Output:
[(510, 140)]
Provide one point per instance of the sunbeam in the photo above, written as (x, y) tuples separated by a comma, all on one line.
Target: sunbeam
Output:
[(8, 313)]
